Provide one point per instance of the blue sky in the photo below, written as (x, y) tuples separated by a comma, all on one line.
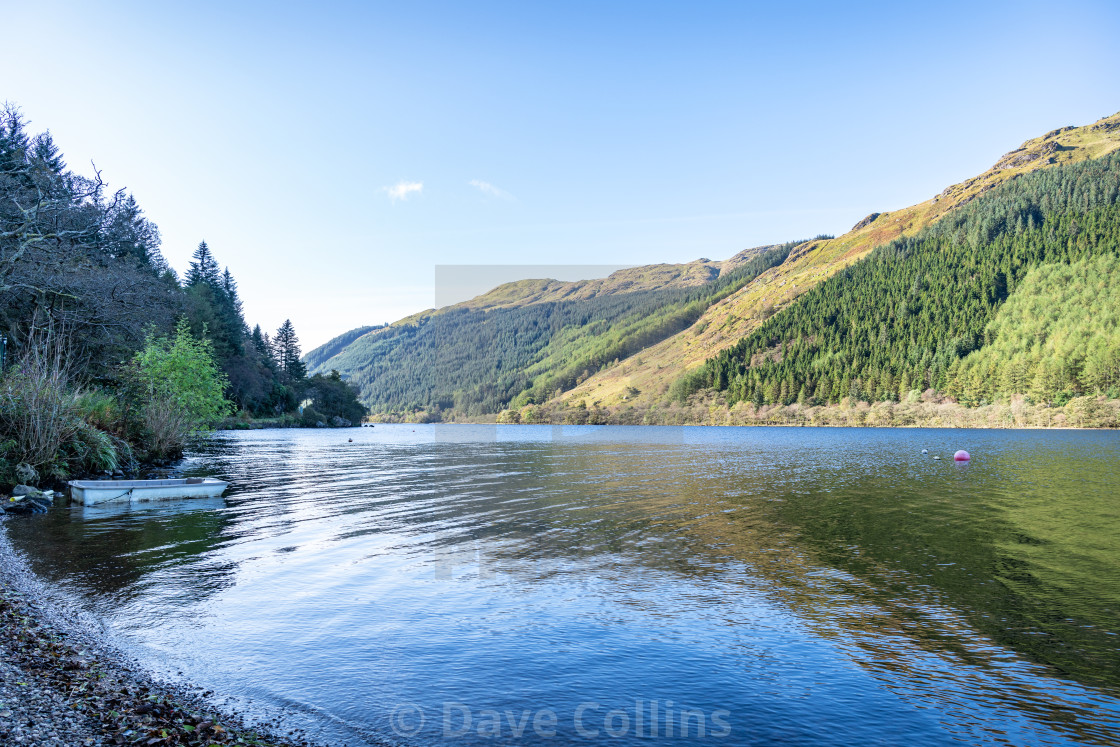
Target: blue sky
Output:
[(333, 154)]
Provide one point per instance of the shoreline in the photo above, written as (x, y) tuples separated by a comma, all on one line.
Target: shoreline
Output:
[(781, 425), (63, 683), (929, 410)]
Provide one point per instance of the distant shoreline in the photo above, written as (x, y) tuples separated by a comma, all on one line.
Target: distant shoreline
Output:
[(779, 425)]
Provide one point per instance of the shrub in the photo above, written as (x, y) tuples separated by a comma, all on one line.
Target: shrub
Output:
[(164, 427), (1088, 412), (90, 449), (41, 420), (687, 385), (176, 390), (310, 417), (37, 412), (101, 410)]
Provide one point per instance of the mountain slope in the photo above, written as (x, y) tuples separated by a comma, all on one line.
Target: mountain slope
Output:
[(905, 317), (648, 376), (1064, 314), (526, 340), (627, 339), (315, 359)]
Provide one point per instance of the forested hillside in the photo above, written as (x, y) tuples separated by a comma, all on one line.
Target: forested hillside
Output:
[(1058, 334), (725, 323), (477, 358), (314, 359), (905, 317)]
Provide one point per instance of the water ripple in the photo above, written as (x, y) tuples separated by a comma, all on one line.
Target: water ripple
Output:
[(816, 586)]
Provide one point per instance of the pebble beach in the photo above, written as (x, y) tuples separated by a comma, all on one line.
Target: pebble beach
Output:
[(61, 683)]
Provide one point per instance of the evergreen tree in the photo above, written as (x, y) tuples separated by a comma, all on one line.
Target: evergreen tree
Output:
[(262, 344), (286, 350), (127, 233), (229, 288), (14, 142), (203, 268), (46, 155)]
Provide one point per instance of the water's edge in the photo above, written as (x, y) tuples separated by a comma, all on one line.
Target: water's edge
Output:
[(38, 615)]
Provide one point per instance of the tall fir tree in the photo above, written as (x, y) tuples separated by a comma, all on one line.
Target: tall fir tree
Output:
[(14, 142), (203, 268), (261, 342), (229, 287), (46, 155), (286, 347)]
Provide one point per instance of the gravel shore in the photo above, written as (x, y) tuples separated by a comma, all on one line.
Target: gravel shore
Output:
[(61, 685)]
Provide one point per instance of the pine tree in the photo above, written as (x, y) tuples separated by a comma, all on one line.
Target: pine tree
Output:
[(203, 268), (286, 347), (233, 300), (886, 386), (46, 155), (261, 342), (904, 386), (127, 233), (14, 142)]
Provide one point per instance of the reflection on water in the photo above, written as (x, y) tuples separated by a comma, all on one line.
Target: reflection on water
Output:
[(798, 585)]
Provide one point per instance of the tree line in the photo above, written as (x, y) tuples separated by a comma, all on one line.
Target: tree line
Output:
[(266, 374)]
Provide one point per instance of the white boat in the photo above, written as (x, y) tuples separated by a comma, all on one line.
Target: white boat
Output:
[(96, 492)]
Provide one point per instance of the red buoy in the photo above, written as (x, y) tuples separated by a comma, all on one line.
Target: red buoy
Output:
[(962, 456)]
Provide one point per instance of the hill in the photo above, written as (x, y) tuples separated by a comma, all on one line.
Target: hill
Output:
[(314, 359), (630, 340), (654, 371), (536, 337), (909, 315)]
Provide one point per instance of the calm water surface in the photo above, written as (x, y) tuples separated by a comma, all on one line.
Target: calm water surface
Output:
[(530, 584)]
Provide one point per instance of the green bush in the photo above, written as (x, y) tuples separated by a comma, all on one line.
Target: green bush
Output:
[(101, 410), (90, 449), (687, 385), (310, 417), (175, 390)]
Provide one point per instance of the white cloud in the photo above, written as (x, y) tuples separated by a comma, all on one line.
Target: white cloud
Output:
[(490, 189), (402, 189)]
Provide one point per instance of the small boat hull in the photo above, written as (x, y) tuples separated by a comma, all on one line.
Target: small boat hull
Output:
[(97, 492)]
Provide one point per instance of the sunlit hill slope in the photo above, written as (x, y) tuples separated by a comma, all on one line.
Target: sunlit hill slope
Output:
[(625, 339), (653, 371)]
